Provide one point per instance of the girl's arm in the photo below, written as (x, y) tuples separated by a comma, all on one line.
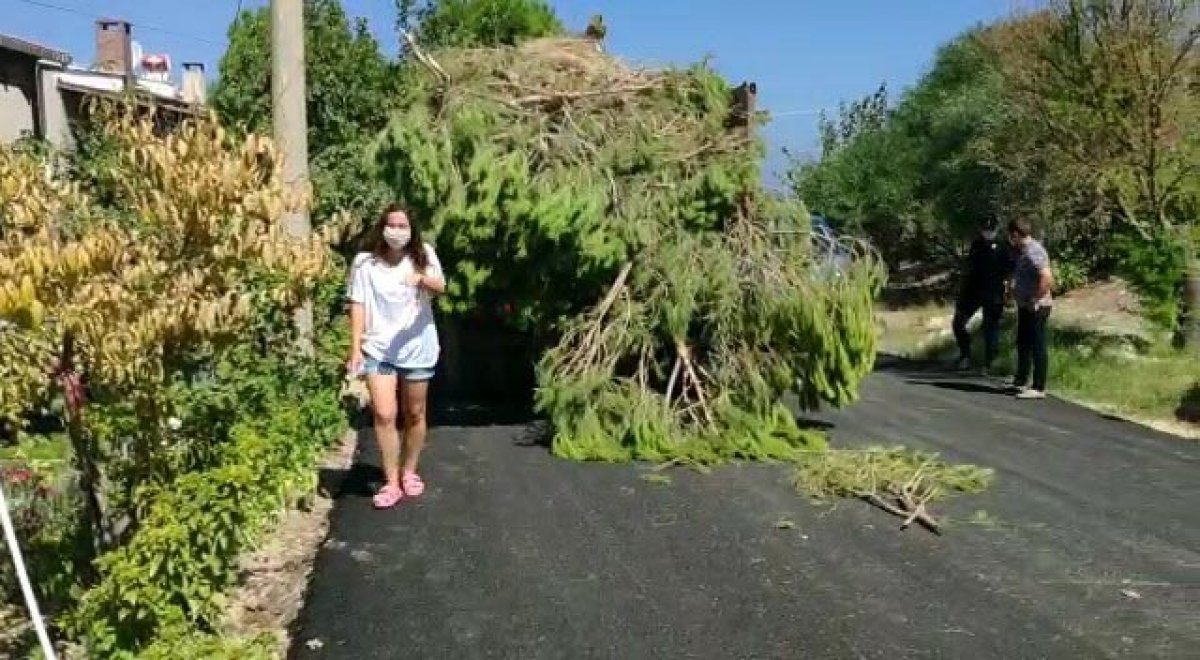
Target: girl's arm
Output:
[(356, 293), (432, 280), (358, 323)]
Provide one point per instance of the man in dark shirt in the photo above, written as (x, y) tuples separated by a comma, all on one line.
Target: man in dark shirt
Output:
[(988, 265)]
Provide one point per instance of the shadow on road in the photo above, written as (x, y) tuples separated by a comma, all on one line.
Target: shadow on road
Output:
[(935, 374), (909, 367), (364, 475), (959, 386), (482, 414), (812, 424), (360, 480)]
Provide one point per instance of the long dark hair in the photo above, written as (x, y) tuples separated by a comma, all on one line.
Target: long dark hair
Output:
[(373, 242)]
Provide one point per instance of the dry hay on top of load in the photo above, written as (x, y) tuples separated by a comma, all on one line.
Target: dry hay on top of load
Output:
[(565, 104), (622, 209)]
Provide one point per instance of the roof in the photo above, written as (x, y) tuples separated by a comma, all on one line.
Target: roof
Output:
[(108, 84), (31, 49), (92, 82)]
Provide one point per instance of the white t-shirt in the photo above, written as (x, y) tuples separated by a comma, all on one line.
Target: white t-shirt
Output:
[(399, 316)]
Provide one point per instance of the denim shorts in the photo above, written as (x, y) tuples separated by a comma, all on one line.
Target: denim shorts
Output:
[(375, 367)]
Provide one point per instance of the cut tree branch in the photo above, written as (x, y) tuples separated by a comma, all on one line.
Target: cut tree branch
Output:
[(425, 58)]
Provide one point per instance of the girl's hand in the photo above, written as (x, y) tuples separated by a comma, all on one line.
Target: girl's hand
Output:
[(430, 283), (354, 364), (415, 279)]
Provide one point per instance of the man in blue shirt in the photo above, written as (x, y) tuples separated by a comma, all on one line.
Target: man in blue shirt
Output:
[(1033, 280)]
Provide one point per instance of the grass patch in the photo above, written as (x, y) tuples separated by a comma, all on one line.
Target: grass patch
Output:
[(902, 331), (657, 478), (898, 480), (1125, 376), (53, 448)]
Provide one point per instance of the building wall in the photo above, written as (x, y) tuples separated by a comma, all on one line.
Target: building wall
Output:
[(18, 96), (60, 108)]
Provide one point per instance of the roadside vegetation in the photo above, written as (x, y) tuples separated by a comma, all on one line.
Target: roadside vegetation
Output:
[(155, 414), (1120, 365), (1082, 116)]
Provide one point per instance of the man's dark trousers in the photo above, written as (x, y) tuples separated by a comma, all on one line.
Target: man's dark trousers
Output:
[(1031, 347), (992, 311)]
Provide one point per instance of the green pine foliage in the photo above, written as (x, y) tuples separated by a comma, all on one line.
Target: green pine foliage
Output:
[(620, 210)]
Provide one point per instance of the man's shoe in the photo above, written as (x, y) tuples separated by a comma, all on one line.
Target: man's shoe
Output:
[(1030, 394), (962, 363)]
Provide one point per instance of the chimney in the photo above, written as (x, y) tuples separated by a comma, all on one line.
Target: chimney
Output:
[(194, 85), (113, 52)]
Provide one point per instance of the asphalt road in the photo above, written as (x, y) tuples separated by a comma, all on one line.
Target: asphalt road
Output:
[(1088, 546)]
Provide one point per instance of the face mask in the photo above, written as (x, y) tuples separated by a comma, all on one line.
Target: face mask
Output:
[(989, 235), (397, 237)]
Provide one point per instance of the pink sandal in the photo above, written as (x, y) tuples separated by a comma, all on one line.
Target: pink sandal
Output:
[(413, 486), (387, 497)]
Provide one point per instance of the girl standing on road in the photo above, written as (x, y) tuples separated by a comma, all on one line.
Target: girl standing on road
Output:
[(394, 343)]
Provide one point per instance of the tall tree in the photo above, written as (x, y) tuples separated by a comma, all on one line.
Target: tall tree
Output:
[(447, 23), (865, 180), (916, 177), (1110, 102), (351, 89)]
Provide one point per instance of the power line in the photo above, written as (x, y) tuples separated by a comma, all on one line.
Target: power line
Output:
[(140, 26)]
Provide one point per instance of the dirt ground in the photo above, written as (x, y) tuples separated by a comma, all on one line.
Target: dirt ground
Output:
[(1107, 308)]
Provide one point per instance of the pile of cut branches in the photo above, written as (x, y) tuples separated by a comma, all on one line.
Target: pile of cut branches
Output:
[(689, 355), (897, 480)]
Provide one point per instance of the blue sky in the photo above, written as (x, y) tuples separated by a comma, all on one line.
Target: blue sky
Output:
[(805, 55)]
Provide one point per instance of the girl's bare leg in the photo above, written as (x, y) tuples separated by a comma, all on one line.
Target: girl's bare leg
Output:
[(382, 389), (414, 396)]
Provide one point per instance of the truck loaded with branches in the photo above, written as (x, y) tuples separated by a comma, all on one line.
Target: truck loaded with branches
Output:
[(620, 210)]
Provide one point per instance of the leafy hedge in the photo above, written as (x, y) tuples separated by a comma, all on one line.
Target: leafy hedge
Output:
[(167, 581), (1155, 267), (187, 644)]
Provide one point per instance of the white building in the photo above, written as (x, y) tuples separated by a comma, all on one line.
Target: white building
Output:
[(42, 94)]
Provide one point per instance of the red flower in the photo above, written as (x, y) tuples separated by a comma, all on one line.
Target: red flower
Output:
[(20, 475), (507, 308)]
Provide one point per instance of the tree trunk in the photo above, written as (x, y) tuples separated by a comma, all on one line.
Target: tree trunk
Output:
[(84, 454), (89, 486), (1189, 329)]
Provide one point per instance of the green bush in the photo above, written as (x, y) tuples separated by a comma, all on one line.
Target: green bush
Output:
[(172, 573), (44, 510), (187, 644), (31, 506), (1070, 273), (1155, 267)]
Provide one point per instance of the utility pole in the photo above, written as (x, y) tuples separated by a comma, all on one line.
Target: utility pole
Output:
[(745, 105), (288, 106)]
